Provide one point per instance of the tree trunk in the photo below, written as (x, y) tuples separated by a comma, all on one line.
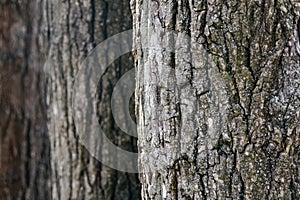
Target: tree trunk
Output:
[(24, 142), (73, 29), (217, 98)]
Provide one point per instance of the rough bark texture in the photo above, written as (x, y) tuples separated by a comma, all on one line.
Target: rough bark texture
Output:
[(222, 130), (73, 29), (24, 142)]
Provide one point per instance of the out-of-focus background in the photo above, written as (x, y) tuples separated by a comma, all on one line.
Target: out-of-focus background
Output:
[(24, 140), (40, 153)]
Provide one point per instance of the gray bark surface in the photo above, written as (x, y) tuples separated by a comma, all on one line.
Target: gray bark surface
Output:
[(226, 129), (73, 28)]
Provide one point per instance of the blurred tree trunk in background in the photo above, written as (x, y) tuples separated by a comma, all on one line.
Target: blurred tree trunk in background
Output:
[(24, 143), (72, 29), (227, 129)]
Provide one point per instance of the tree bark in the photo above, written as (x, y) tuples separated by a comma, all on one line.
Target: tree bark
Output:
[(73, 29), (24, 141), (222, 123)]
